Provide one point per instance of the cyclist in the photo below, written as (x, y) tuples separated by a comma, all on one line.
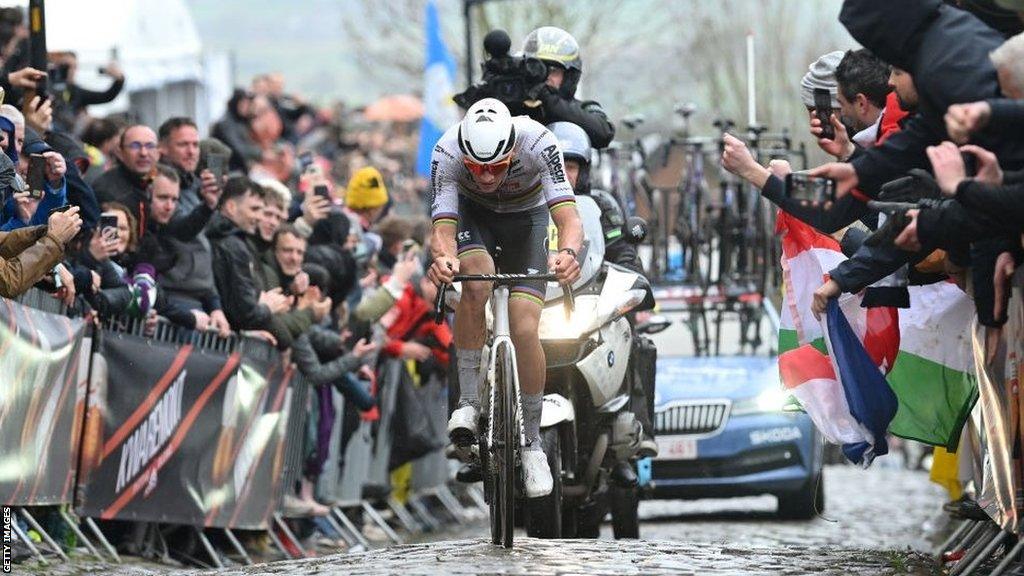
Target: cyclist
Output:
[(495, 180), (577, 152), (560, 51)]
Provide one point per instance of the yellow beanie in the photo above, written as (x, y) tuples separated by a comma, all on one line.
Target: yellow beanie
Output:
[(366, 189)]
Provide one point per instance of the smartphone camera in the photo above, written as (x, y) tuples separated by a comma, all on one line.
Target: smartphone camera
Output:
[(108, 226), (217, 164), (800, 186), (36, 175), (322, 191), (823, 110)]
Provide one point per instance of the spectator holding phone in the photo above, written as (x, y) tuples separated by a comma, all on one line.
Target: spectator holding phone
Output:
[(28, 254), (43, 170)]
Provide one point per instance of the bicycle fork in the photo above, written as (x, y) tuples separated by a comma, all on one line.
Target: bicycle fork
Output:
[(502, 339)]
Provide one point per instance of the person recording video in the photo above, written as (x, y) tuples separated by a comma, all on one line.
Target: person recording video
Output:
[(541, 83)]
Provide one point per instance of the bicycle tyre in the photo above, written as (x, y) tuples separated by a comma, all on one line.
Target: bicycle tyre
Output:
[(508, 447)]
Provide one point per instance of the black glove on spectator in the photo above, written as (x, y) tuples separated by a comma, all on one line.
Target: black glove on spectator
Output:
[(916, 185)]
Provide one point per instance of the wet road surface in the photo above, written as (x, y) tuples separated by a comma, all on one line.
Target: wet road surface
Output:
[(878, 521)]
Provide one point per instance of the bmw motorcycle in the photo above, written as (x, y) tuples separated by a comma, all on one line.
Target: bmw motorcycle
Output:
[(589, 434)]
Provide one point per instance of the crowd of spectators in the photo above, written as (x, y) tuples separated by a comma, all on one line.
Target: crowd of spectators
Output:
[(287, 222), (929, 160), (911, 127)]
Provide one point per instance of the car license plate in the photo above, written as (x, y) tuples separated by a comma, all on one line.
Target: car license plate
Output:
[(677, 448)]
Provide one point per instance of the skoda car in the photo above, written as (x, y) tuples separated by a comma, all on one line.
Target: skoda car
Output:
[(726, 428)]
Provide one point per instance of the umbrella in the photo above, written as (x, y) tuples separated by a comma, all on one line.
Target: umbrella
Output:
[(395, 108)]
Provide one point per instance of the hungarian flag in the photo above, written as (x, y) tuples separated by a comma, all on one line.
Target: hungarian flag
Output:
[(824, 364), (934, 371), (927, 358)]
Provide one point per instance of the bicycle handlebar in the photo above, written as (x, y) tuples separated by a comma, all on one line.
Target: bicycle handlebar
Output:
[(501, 280)]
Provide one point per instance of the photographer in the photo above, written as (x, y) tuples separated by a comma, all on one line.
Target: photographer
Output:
[(559, 50)]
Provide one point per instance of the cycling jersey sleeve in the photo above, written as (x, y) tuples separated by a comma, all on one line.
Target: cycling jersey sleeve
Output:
[(444, 204), (555, 186)]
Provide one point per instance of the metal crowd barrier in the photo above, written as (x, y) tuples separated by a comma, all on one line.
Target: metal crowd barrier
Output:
[(355, 482)]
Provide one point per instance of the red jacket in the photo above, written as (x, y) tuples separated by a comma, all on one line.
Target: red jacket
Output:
[(415, 322)]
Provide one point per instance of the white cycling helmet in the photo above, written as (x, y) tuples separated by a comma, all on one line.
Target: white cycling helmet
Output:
[(486, 133)]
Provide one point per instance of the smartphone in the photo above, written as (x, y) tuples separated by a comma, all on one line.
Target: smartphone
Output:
[(800, 186), (305, 161), (321, 190), (217, 163), (36, 175), (823, 110), (63, 208), (108, 225)]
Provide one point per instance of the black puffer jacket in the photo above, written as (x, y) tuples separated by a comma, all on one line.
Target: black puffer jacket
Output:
[(326, 248), (946, 50), (238, 283)]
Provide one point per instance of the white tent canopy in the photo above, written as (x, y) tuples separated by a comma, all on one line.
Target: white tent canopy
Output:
[(155, 41)]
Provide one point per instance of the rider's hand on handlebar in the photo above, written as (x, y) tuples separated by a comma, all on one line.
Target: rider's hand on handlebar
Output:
[(443, 270), (565, 266)]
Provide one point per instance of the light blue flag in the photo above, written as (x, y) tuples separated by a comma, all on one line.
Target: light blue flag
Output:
[(440, 112)]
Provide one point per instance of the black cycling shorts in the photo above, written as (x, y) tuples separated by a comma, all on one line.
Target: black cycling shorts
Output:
[(522, 237)]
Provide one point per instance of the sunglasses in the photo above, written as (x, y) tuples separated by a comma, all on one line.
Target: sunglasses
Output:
[(495, 169)]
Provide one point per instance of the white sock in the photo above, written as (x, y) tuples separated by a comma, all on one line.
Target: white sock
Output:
[(533, 404), (469, 375)]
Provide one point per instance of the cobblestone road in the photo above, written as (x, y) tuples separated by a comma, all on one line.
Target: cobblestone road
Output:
[(876, 523)]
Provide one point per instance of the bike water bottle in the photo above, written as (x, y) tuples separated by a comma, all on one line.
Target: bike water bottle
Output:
[(675, 259)]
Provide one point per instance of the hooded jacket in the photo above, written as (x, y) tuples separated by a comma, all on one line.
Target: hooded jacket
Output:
[(946, 51)]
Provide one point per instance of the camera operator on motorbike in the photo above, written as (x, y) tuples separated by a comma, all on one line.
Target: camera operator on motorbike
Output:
[(618, 250), (560, 51), (495, 180)]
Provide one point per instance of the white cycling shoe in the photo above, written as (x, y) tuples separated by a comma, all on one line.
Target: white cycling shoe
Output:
[(462, 426), (536, 474)]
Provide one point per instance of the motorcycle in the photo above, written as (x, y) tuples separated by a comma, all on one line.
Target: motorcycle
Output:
[(589, 434)]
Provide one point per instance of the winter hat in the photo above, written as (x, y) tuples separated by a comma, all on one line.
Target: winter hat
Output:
[(366, 189), (821, 74), (7, 126)]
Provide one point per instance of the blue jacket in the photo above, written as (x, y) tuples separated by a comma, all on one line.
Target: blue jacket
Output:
[(51, 199)]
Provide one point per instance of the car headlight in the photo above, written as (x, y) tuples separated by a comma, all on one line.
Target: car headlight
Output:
[(773, 399)]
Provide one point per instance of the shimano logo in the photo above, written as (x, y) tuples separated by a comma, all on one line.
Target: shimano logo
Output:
[(553, 159)]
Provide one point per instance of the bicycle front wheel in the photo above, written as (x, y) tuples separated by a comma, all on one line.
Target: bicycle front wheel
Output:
[(506, 439)]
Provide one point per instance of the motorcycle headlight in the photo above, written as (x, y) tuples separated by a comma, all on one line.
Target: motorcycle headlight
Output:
[(555, 326), (591, 312), (773, 399)]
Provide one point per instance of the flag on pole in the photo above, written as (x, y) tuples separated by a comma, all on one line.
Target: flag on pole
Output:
[(440, 111)]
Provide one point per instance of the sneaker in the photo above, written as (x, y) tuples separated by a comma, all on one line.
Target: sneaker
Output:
[(462, 426), (294, 507), (648, 448), (536, 474)]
